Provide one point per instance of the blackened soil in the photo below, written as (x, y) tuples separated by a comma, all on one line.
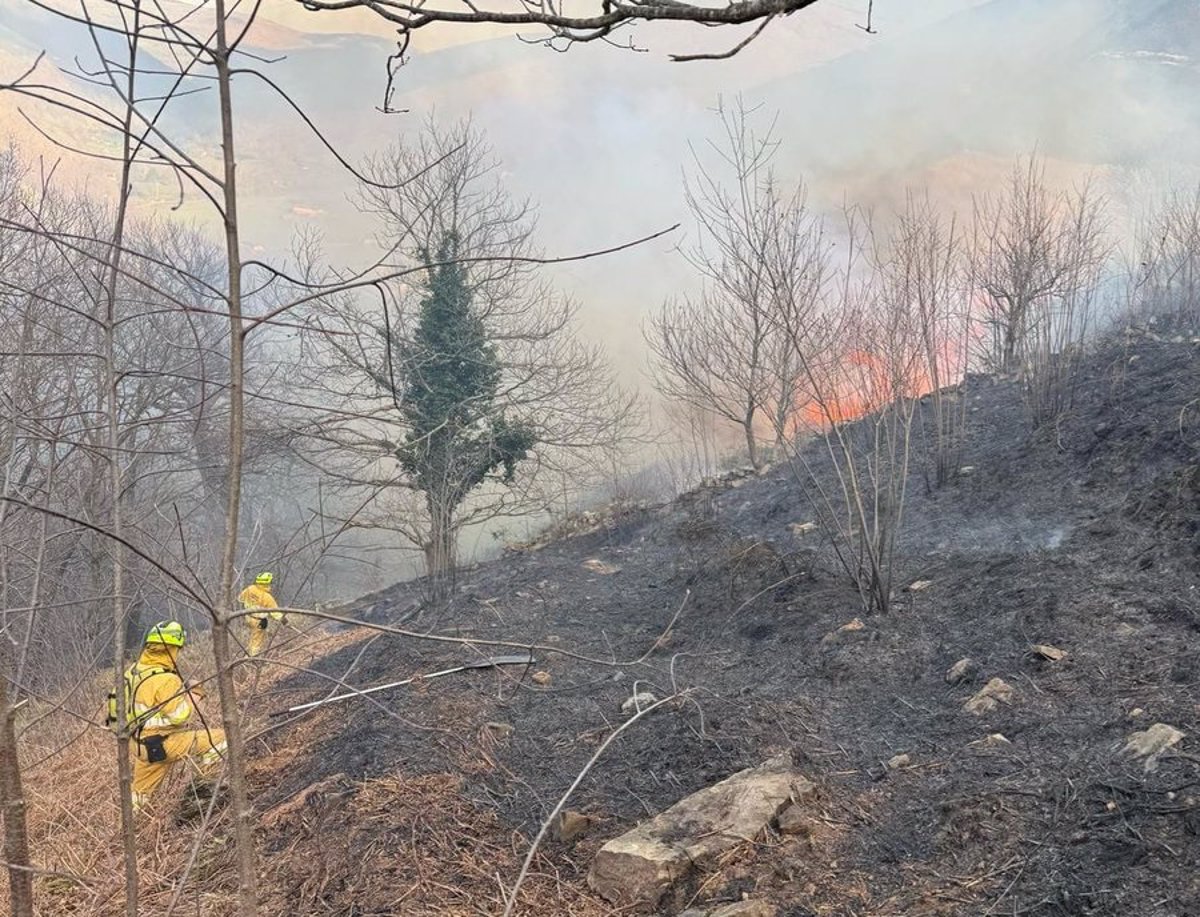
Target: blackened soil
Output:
[(1083, 536)]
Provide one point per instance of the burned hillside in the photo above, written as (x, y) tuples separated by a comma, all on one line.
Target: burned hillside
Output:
[(1061, 563)]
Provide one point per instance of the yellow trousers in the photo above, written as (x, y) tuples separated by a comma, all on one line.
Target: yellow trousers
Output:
[(208, 745), (256, 639)]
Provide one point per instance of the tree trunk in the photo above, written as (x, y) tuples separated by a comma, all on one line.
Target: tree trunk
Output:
[(12, 800), (243, 814), (1008, 358), (116, 523), (440, 559), (751, 442), (1014, 329)]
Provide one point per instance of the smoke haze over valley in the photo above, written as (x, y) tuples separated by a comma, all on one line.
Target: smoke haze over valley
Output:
[(943, 97)]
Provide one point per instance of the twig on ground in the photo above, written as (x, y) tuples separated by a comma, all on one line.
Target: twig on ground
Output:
[(612, 737)]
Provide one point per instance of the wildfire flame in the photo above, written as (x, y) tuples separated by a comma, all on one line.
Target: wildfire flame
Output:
[(864, 383)]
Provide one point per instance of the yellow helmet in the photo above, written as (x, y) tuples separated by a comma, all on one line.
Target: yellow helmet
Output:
[(170, 633), (264, 578)]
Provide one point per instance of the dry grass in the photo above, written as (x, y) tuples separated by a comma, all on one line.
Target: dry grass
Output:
[(399, 844), (69, 770), (403, 845)]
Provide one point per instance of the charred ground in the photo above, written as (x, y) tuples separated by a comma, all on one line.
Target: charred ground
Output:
[(1084, 536)]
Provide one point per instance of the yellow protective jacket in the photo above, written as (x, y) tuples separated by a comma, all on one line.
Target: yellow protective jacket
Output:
[(160, 701), (255, 597)]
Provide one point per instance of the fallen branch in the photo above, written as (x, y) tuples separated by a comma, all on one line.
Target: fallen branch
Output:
[(485, 664), (476, 641)]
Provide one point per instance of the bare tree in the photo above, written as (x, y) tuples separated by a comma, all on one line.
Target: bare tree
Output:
[(928, 271), (12, 799), (1027, 254), (760, 252), (860, 356), (1167, 273), (136, 122), (1058, 326), (454, 393), (706, 358), (31, 445)]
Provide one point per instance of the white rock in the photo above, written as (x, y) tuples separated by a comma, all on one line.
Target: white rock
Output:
[(639, 702), (961, 671), (1048, 652), (995, 740), (1152, 742), (595, 565), (989, 697), (852, 628)]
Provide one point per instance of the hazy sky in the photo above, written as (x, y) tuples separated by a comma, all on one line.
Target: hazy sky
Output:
[(945, 94)]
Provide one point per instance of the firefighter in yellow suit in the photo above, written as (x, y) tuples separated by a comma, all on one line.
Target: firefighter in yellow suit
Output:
[(162, 712), (257, 597)]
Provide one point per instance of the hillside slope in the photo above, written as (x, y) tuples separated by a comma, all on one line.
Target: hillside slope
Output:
[(1084, 537)]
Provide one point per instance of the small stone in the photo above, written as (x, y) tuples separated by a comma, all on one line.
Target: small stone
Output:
[(500, 731), (793, 821), (598, 566), (898, 761), (639, 702), (1111, 806), (1047, 652), (541, 678), (995, 740), (966, 470), (745, 909), (1135, 713), (854, 628), (963, 670), (989, 697), (570, 826), (1152, 742), (802, 528), (920, 585)]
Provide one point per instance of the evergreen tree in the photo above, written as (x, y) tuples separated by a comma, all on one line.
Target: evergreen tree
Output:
[(458, 436)]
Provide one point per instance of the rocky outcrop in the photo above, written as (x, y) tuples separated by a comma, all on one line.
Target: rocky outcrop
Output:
[(638, 868)]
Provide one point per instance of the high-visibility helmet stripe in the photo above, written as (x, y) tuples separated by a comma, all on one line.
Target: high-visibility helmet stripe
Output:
[(170, 633)]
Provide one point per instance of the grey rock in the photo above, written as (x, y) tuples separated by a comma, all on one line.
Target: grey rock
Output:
[(639, 867), (639, 701)]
